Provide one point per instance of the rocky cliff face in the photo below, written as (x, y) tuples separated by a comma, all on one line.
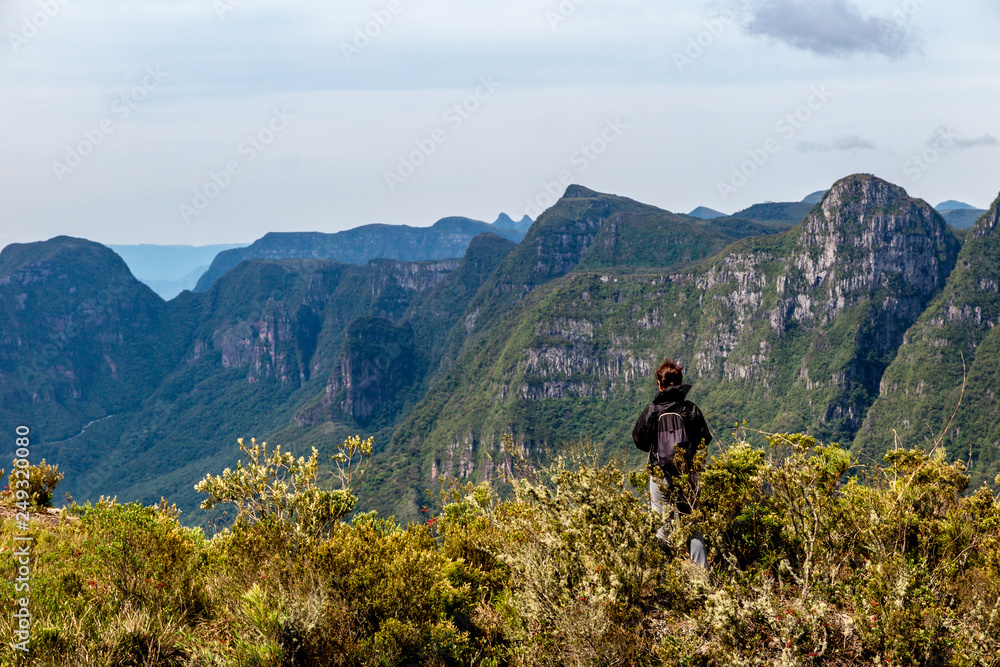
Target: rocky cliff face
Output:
[(270, 342), (941, 390), (129, 388), (791, 332), (551, 341), (375, 370)]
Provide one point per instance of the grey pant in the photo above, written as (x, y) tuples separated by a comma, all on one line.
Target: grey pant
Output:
[(696, 546)]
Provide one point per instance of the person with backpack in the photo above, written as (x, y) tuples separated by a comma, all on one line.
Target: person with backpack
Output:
[(671, 429)]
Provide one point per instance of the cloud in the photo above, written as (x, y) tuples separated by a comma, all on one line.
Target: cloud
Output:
[(947, 139), (844, 143), (812, 147), (828, 27), (985, 140), (850, 142)]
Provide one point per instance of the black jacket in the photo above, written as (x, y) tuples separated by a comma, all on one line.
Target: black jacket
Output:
[(671, 399)]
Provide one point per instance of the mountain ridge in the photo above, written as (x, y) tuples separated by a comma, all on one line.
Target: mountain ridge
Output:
[(552, 339), (563, 368), (446, 238)]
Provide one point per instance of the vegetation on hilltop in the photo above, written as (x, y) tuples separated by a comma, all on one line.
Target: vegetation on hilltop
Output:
[(807, 566)]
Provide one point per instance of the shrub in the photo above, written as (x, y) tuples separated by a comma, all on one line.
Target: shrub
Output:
[(277, 485), (146, 558), (892, 565), (576, 541), (34, 484)]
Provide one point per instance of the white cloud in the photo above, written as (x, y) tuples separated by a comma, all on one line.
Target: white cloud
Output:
[(609, 58)]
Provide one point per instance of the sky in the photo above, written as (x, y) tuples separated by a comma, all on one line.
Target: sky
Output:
[(216, 121)]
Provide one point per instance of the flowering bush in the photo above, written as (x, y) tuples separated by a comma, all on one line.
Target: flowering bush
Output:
[(813, 560)]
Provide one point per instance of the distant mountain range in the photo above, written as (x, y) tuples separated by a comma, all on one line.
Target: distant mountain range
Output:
[(446, 238), (952, 205), (169, 269), (705, 213), (768, 211), (849, 322), (505, 222), (959, 214)]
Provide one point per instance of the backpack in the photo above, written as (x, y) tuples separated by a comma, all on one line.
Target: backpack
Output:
[(671, 433)]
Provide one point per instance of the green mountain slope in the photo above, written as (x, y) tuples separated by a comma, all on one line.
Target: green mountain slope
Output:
[(962, 218), (954, 341), (595, 230), (790, 213), (140, 398), (80, 338), (791, 332), (551, 339)]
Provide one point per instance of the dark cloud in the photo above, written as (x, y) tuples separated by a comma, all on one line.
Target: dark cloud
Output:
[(828, 27), (845, 143)]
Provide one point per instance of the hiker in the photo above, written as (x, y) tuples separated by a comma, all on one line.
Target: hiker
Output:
[(672, 422)]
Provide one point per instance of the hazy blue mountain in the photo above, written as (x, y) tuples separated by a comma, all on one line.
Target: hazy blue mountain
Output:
[(959, 214), (169, 269), (952, 205), (505, 222), (815, 197), (168, 289), (705, 213), (168, 265), (446, 238)]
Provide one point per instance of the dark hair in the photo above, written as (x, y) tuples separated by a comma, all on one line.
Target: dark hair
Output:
[(669, 373)]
